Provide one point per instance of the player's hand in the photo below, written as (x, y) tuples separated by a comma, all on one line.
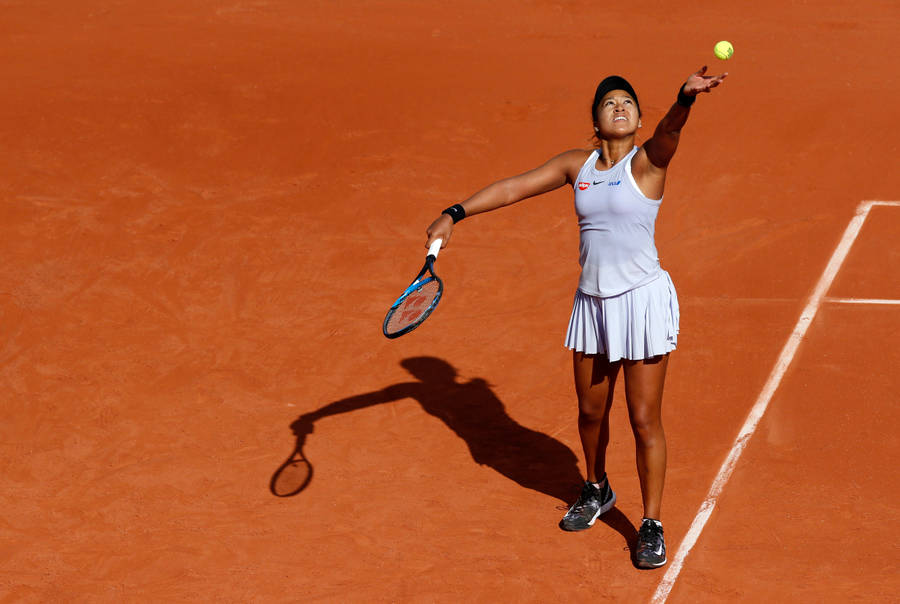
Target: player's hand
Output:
[(440, 229), (700, 82)]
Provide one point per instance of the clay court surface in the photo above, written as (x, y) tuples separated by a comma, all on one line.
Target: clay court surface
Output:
[(207, 207)]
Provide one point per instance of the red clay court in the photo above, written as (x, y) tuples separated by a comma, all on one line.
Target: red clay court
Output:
[(207, 208)]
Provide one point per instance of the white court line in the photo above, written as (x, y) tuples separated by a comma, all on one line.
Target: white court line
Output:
[(861, 301), (762, 402)]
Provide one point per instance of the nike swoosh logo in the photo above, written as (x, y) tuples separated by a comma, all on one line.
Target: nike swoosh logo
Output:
[(597, 182)]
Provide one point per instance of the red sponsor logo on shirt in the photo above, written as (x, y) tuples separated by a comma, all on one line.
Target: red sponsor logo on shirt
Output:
[(583, 185)]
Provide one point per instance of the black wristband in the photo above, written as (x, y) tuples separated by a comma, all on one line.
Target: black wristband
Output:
[(456, 212), (683, 99)]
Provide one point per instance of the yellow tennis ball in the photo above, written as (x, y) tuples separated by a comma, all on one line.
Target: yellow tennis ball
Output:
[(724, 50)]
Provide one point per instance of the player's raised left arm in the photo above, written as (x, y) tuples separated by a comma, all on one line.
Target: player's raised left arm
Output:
[(662, 145)]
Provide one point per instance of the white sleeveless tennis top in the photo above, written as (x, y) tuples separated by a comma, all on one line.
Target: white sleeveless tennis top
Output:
[(617, 225)]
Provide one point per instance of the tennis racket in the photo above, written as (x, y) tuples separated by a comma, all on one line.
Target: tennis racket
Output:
[(418, 301)]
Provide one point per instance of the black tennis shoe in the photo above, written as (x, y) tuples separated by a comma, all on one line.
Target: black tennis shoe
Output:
[(651, 546), (591, 503)]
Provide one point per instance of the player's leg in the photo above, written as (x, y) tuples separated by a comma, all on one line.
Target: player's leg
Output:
[(644, 381), (595, 379)]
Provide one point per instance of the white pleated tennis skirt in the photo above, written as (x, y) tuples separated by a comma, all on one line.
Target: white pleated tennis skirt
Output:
[(638, 324)]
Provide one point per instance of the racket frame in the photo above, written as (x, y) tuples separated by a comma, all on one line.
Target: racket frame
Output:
[(417, 284)]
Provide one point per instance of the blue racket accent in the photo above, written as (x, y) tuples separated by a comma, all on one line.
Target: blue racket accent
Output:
[(413, 287)]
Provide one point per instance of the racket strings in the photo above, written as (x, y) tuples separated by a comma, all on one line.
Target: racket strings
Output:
[(415, 307), (292, 477)]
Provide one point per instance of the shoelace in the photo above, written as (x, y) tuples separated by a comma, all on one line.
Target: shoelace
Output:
[(650, 535)]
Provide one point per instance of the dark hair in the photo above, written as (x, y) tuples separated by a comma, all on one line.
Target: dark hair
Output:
[(613, 82)]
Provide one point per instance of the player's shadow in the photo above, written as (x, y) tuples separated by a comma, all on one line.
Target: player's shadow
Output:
[(620, 523), (532, 459)]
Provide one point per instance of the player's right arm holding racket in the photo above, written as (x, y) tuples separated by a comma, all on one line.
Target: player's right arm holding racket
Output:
[(558, 171)]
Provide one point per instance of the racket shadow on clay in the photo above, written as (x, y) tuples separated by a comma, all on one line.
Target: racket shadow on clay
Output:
[(296, 472)]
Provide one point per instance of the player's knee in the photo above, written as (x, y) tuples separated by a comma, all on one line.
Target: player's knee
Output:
[(647, 428), (591, 410)]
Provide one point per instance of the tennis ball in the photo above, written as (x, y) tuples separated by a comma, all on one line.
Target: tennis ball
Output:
[(724, 50)]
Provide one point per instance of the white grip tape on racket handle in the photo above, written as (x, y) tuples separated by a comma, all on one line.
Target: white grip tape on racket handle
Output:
[(435, 247)]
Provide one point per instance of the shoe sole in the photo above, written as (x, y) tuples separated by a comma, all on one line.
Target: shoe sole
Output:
[(603, 509), (648, 565)]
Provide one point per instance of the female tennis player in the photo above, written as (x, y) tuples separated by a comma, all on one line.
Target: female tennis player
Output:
[(625, 313)]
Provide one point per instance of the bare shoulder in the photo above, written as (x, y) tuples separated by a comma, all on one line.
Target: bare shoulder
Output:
[(557, 171), (578, 156), (650, 179), (572, 160), (641, 163)]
